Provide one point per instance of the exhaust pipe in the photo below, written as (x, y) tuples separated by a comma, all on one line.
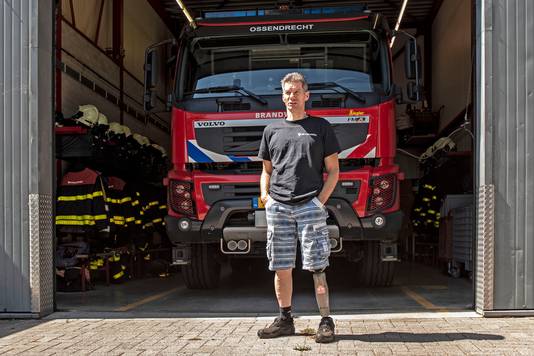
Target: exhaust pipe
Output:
[(333, 244), (242, 245), (232, 245)]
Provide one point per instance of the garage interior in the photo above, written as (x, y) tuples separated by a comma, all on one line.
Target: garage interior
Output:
[(100, 56)]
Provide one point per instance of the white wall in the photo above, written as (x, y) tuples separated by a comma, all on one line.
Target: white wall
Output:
[(86, 19), (142, 27), (451, 58)]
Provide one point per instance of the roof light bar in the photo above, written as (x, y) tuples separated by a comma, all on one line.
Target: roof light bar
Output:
[(274, 12), (397, 24), (335, 10), (225, 14), (186, 13)]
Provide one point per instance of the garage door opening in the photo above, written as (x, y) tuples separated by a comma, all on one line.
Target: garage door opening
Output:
[(172, 222)]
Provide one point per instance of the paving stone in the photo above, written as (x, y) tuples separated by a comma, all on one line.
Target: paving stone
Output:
[(439, 336)]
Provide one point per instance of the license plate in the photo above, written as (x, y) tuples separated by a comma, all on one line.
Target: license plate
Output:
[(257, 203)]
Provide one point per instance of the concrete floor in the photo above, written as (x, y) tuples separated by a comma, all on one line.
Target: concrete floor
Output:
[(416, 288)]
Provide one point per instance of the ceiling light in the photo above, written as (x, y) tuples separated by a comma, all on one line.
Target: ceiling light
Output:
[(397, 25), (186, 13)]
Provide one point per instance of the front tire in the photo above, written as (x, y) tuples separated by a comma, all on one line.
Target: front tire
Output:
[(372, 271), (204, 269)]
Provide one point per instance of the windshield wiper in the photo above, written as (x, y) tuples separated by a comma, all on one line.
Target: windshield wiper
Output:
[(323, 85), (227, 88)]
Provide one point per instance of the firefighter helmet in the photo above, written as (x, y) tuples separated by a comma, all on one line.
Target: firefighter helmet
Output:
[(126, 130), (161, 149), (89, 115), (142, 140), (99, 130), (102, 120), (115, 129)]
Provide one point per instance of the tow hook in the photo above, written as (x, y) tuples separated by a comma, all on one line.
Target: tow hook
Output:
[(388, 251)]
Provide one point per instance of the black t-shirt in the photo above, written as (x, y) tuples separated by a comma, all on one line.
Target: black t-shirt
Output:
[(297, 150)]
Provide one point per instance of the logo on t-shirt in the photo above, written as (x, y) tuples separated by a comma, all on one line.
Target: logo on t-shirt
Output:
[(306, 134)]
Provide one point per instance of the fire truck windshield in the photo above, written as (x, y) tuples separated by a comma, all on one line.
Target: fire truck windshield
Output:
[(258, 68)]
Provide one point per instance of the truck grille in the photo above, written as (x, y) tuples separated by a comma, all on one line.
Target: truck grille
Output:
[(214, 192), (244, 141), (237, 141)]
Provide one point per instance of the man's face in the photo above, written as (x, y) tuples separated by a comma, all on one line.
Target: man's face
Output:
[(294, 96)]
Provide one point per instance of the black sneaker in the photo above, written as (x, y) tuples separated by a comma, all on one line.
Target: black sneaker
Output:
[(325, 332), (280, 327)]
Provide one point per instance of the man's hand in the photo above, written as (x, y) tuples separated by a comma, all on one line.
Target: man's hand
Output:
[(264, 180), (331, 164)]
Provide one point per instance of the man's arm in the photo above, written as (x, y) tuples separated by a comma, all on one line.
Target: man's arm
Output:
[(265, 179), (331, 164)]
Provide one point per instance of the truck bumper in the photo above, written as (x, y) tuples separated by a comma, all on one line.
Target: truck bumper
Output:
[(343, 222)]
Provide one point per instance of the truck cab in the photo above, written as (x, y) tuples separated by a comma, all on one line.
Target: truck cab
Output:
[(227, 90)]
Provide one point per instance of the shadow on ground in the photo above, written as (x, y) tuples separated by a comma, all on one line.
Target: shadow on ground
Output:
[(417, 337), (9, 327)]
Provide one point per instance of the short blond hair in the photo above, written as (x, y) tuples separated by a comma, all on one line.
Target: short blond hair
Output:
[(295, 77)]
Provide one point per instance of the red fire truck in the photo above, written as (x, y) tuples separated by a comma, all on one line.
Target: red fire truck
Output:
[(227, 90)]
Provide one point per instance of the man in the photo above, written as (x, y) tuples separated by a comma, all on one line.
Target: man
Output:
[(295, 153)]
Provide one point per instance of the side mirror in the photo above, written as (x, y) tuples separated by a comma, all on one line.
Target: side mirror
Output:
[(413, 91), (153, 73), (412, 60), (151, 79)]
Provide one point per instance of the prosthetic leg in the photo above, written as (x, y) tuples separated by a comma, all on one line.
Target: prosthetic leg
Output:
[(326, 331), (321, 292)]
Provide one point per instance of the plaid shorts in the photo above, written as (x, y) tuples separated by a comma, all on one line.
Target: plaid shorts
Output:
[(286, 223)]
